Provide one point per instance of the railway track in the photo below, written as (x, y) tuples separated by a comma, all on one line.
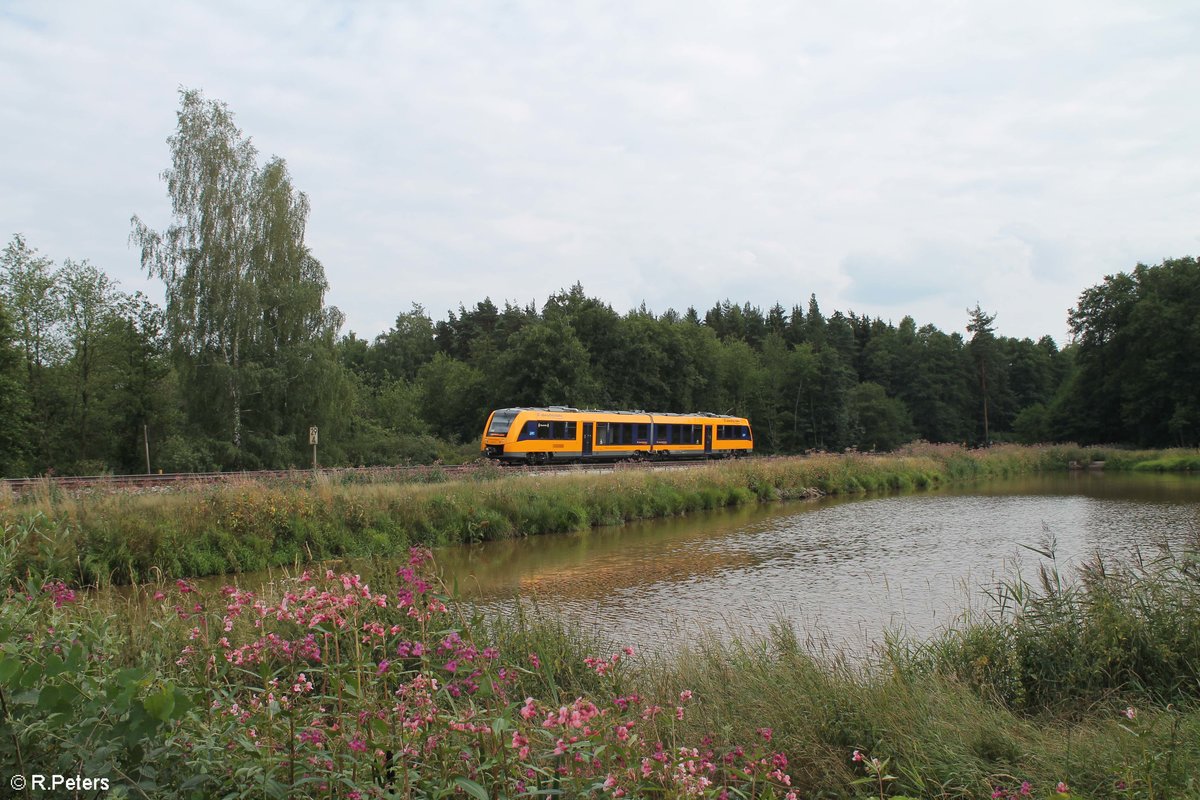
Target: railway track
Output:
[(415, 474)]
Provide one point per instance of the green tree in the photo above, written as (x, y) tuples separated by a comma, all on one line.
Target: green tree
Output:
[(881, 422), (937, 387), (141, 401), (1032, 425), (1136, 338), (245, 312), (787, 371), (14, 402), (984, 353), (544, 364), (29, 285), (454, 398), (90, 304), (404, 349)]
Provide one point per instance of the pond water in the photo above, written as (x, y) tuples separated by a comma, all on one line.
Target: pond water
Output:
[(841, 572)]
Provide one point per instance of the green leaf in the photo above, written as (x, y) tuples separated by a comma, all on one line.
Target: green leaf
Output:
[(75, 658), (472, 788), (8, 668), (48, 698), (183, 704), (54, 665), (160, 704)]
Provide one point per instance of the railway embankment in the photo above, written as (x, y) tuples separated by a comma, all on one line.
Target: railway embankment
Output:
[(119, 537)]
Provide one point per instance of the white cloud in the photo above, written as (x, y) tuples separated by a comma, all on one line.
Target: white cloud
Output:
[(1010, 154)]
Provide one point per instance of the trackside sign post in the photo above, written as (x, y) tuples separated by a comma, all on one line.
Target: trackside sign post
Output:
[(312, 439)]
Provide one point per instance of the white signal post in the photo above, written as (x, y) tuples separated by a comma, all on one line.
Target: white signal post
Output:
[(312, 439)]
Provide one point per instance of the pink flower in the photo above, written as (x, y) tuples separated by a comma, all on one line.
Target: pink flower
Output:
[(685, 695), (1130, 712), (859, 757), (1026, 788), (59, 592), (1062, 787), (528, 711), (358, 745), (766, 733)]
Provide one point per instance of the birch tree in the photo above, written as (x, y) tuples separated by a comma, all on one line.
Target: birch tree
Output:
[(245, 297)]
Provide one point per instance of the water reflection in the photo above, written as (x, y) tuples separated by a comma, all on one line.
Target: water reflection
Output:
[(840, 572)]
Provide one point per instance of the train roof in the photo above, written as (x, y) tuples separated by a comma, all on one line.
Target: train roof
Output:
[(572, 410)]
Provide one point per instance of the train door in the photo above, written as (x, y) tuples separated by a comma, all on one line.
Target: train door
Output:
[(708, 433), (587, 437)]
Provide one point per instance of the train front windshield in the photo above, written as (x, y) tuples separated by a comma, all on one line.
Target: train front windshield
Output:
[(501, 422)]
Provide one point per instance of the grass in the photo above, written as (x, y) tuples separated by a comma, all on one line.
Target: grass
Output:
[(250, 526), (1086, 685)]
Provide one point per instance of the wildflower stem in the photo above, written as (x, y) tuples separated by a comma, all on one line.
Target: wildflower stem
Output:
[(15, 740)]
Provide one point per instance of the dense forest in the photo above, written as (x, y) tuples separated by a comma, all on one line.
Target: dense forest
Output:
[(245, 355)]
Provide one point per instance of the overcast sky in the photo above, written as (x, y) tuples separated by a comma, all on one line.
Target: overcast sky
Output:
[(894, 158)]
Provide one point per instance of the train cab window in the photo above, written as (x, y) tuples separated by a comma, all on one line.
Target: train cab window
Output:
[(501, 422)]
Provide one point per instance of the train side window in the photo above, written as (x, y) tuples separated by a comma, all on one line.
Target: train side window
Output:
[(601, 433), (570, 431), (543, 430)]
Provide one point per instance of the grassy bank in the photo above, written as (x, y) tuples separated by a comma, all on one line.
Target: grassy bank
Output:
[(334, 686), (129, 537)]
